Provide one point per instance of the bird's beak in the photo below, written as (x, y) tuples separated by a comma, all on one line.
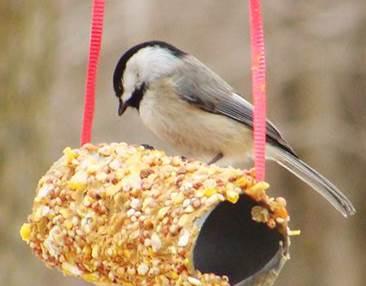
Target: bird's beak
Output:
[(121, 107)]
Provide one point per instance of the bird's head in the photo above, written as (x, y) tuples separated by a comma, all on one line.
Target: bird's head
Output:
[(138, 67)]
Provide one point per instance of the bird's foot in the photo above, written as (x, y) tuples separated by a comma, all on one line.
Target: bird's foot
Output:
[(148, 147)]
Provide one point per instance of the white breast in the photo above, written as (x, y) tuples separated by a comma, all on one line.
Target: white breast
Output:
[(194, 132)]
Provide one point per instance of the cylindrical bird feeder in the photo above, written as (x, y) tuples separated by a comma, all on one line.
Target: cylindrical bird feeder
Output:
[(116, 214)]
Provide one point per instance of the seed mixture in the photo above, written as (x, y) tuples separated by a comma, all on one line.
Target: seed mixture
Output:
[(116, 214)]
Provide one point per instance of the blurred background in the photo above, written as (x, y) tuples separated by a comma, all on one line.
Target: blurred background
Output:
[(316, 53)]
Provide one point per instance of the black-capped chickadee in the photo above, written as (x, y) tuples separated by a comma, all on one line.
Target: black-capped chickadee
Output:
[(190, 107)]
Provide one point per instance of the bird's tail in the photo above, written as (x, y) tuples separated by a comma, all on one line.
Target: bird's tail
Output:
[(307, 174)]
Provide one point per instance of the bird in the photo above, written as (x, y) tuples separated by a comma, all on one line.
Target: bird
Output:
[(190, 107)]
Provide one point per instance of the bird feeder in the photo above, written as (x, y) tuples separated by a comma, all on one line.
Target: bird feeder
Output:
[(116, 214)]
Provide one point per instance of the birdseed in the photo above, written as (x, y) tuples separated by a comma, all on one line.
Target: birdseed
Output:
[(116, 214)]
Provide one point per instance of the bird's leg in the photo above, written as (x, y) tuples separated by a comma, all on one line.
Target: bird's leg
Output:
[(148, 147), (216, 158)]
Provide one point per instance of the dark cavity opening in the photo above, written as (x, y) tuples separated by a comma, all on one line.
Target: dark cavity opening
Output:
[(231, 243)]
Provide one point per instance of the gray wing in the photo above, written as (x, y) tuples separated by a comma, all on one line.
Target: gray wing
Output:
[(200, 86)]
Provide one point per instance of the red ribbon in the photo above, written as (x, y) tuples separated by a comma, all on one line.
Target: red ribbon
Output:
[(258, 87), (94, 51)]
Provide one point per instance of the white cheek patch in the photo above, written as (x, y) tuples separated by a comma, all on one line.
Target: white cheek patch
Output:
[(129, 84), (126, 96)]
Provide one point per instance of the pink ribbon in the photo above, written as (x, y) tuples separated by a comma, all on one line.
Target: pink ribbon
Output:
[(94, 52), (258, 87)]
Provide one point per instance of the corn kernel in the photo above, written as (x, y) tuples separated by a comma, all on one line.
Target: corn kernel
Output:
[(173, 275), (70, 154), (260, 186), (87, 250), (241, 182), (68, 224), (66, 213), (232, 196), (95, 251), (25, 231), (258, 190), (91, 277), (210, 191), (78, 181), (127, 253)]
